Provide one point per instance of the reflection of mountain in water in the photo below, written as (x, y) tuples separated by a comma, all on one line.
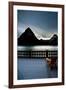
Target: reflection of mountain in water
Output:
[(28, 38)]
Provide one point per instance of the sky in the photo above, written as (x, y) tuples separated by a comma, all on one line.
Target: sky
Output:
[(43, 23)]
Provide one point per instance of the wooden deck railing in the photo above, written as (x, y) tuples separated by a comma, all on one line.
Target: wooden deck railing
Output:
[(37, 54)]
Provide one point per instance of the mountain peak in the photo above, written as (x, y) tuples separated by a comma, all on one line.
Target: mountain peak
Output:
[(27, 37), (55, 36), (28, 30)]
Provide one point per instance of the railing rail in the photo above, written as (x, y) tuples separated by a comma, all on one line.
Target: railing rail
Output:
[(37, 54)]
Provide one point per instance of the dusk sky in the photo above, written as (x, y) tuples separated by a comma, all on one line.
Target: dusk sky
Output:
[(43, 23)]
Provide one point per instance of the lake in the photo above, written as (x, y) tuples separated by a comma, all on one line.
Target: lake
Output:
[(36, 48), (35, 68)]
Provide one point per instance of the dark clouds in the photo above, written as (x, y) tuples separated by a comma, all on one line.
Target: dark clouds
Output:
[(43, 23)]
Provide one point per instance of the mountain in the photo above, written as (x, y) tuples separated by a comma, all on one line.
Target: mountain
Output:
[(54, 40), (29, 38)]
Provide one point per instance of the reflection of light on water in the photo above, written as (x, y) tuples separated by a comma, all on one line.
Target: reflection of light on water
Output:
[(34, 69), (34, 48)]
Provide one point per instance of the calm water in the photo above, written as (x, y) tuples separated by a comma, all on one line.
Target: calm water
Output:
[(34, 69), (38, 48)]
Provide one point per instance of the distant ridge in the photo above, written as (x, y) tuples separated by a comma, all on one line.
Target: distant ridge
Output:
[(29, 38)]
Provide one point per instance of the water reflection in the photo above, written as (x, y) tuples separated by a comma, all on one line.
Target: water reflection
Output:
[(38, 48), (34, 69)]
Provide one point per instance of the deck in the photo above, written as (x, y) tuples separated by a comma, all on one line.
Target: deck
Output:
[(37, 54)]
